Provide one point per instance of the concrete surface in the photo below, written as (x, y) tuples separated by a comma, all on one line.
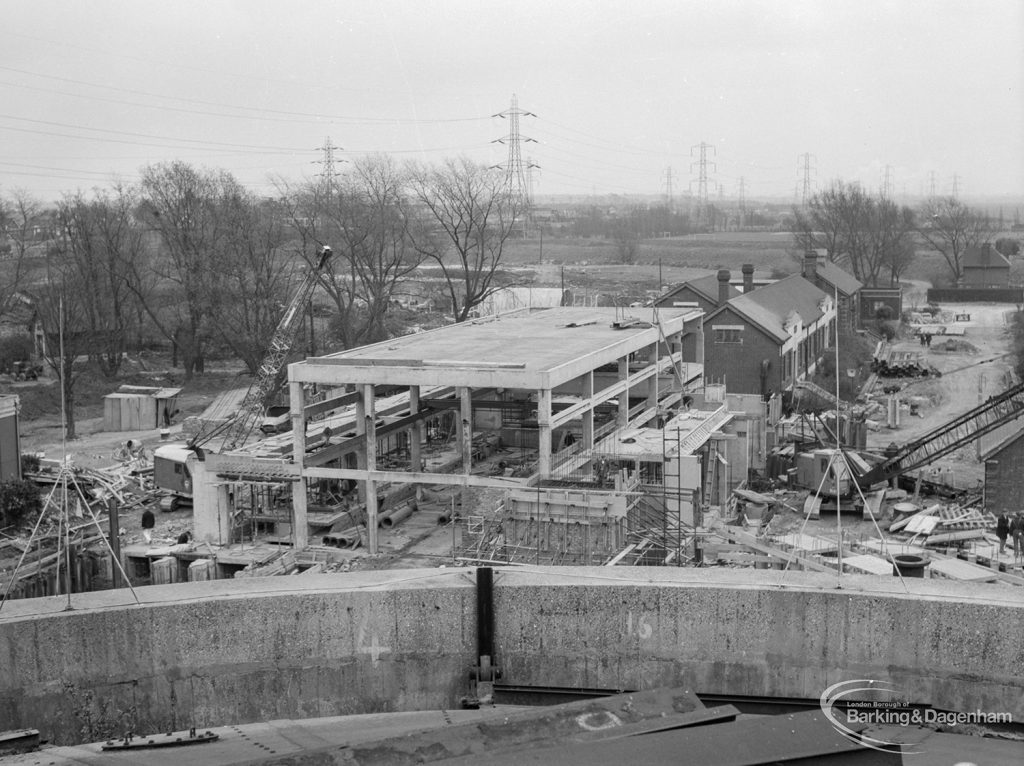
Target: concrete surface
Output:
[(237, 651)]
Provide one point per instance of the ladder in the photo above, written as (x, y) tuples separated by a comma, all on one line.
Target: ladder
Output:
[(950, 436)]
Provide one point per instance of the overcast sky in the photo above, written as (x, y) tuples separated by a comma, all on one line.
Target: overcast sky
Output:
[(622, 91)]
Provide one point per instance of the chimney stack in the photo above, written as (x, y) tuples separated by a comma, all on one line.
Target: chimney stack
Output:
[(723, 286), (748, 277), (810, 265)]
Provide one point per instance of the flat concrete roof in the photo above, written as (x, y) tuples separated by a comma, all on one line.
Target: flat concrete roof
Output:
[(531, 348)]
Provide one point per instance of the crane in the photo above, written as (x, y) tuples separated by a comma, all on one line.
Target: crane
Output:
[(950, 436), (265, 382)]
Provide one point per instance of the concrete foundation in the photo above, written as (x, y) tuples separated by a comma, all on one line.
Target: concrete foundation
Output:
[(224, 652)]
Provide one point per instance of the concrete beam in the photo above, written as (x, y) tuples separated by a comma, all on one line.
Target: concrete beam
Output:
[(418, 477)]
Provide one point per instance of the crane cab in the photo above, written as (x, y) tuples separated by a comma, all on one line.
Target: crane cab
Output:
[(172, 475)]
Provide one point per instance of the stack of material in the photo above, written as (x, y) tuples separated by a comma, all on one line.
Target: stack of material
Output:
[(942, 525)]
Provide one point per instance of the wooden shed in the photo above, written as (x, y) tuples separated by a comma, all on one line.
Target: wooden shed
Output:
[(10, 439), (139, 408)]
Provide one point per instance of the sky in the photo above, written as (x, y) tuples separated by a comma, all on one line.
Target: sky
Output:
[(621, 95)]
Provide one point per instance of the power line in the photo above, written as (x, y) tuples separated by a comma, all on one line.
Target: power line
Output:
[(515, 169), (257, 113), (887, 183), (702, 178), (328, 172), (743, 201), (807, 169)]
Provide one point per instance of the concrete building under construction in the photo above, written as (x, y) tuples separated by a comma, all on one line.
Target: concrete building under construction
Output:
[(606, 405)]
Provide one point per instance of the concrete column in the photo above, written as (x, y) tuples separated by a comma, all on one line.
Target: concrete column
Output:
[(300, 489), (544, 432), (415, 435), (652, 388), (361, 449), (211, 515), (370, 420), (588, 415), (465, 432), (623, 416)]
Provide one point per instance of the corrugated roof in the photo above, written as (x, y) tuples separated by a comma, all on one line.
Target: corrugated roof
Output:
[(769, 306)]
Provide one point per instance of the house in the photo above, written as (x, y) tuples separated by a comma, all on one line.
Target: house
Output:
[(880, 303), (766, 340), (984, 266), (706, 293), (828, 277), (1002, 453)]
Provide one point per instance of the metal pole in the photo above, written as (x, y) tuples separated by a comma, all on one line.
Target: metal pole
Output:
[(115, 542), (485, 611)]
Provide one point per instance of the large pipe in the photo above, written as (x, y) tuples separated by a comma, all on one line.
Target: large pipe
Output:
[(398, 516)]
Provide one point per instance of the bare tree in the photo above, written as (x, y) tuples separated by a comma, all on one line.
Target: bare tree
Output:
[(100, 241), (184, 206), (626, 239), (365, 218), (373, 224), (466, 214), (62, 308), (951, 227), (21, 216), (864, 233), (253, 275)]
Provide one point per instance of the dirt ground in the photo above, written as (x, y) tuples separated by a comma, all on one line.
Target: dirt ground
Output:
[(971, 375), (94, 448)]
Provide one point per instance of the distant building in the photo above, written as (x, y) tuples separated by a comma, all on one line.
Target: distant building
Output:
[(880, 303), (984, 266), (706, 293), (764, 341)]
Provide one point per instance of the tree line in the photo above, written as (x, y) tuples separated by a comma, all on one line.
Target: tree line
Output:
[(190, 255), (877, 239)]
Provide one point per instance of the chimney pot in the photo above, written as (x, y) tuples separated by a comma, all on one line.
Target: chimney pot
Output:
[(810, 265), (748, 277), (723, 286)]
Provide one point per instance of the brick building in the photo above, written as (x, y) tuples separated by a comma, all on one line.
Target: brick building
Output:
[(706, 293), (984, 266), (765, 340), (826, 276), (1003, 457)]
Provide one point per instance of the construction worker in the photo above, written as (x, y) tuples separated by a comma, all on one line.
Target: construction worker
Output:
[(1002, 531), (1017, 530)]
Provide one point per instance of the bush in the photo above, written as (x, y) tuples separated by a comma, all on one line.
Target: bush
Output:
[(18, 501), (885, 329), (885, 312), (29, 464), (15, 348)]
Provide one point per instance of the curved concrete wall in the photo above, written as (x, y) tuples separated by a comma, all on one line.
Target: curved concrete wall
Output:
[(257, 649)]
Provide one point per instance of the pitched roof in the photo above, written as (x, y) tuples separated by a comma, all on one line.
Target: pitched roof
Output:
[(985, 257), (839, 278), (769, 306), (706, 286)]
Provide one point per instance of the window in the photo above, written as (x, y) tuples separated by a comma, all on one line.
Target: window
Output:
[(728, 333)]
